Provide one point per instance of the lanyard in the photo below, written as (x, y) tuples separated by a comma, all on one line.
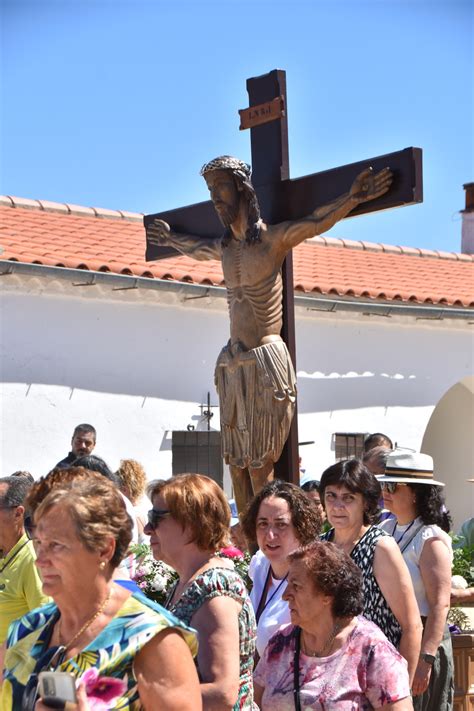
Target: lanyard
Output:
[(10, 560), (263, 603), (296, 670), (410, 538)]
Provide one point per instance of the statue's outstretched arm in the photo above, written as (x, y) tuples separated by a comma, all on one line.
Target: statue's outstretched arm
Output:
[(159, 233), (367, 186)]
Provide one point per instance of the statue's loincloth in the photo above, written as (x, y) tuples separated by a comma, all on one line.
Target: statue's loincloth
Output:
[(257, 393)]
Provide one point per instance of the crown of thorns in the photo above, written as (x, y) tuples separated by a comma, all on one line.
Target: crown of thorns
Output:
[(243, 170)]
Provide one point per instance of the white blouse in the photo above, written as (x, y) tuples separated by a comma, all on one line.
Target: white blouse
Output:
[(412, 552), (276, 612)]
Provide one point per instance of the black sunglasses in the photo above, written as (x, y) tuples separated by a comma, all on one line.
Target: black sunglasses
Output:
[(29, 526), (390, 486), (155, 516)]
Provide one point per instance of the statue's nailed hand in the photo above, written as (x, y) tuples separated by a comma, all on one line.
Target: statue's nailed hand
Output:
[(368, 186), (158, 232)]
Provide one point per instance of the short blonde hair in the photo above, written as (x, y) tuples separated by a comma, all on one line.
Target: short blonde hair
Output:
[(200, 505), (132, 475), (97, 509)]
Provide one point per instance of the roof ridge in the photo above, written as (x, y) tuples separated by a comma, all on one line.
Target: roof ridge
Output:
[(362, 245), (66, 208)]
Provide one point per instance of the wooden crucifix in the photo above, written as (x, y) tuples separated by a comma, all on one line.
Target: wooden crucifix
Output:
[(254, 372)]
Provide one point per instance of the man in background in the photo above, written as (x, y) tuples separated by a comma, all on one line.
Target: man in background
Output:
[(82, 444)]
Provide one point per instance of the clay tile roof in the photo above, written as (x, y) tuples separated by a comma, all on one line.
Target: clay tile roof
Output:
[(97, 239)]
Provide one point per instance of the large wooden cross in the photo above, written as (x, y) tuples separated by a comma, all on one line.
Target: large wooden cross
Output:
[(283, 199)]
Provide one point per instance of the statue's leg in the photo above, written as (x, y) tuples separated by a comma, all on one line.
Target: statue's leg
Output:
[(242, 485), (260, 476)]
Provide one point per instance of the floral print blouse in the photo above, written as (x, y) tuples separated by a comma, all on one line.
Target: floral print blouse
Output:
[(366, 673)]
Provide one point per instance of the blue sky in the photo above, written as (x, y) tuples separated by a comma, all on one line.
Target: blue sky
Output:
[(117, 104)]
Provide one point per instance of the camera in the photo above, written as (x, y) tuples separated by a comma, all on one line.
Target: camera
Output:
[(57, 690)]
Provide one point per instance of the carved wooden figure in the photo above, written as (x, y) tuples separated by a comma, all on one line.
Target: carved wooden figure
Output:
[(254, 375)]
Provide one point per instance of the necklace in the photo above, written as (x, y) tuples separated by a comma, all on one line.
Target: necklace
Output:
[(327, 646), (86, 624)]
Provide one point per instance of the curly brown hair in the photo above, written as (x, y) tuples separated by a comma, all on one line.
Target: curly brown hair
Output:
[(198, 504), (305, 518), (333, 573), (132, 479)]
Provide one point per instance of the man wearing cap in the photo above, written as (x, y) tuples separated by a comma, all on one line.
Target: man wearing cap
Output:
[(420, 528), (254, 375)]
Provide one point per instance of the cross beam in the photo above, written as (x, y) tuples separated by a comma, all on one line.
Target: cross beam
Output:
[(282, 199)]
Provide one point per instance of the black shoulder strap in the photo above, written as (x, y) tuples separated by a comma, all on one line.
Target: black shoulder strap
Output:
[(296, 669)]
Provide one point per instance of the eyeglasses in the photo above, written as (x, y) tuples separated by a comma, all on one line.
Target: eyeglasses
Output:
[(155, 516), (390, 486)]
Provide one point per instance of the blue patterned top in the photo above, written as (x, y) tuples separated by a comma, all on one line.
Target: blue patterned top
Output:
[(112, 652)]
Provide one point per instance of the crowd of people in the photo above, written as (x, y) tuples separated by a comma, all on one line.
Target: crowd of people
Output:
[(344, 605)]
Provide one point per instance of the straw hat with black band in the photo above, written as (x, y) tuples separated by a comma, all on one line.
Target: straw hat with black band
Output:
[(409, 468)]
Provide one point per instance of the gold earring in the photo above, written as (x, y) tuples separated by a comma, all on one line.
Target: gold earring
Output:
[(102, 565)]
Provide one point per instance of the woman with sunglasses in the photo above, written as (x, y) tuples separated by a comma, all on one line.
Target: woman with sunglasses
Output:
[(351, 494), (127, 652), (188, 525), (420, 527)]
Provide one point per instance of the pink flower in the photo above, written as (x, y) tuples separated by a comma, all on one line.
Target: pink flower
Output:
[(231, 552), (102, 691)]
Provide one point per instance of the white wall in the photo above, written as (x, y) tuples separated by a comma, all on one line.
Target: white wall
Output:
[(138, 363), (449, 438), (360, 373)]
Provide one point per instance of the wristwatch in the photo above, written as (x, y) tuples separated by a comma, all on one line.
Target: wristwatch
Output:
[(428, 658)]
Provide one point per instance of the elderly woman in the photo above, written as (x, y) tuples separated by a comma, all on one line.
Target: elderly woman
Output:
[(280, 518), (420, 530), (188, 525), (350, 494), (329, 658), (129, 652)]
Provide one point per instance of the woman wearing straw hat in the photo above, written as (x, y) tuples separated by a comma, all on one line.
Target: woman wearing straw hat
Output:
[(420, 528)]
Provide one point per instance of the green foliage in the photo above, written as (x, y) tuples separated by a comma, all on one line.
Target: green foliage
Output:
[(463, 561)]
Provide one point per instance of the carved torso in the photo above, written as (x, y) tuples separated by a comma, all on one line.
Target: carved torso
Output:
[(253, 279)]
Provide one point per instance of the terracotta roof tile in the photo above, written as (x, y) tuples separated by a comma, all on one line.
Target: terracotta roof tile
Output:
[(96, 239)]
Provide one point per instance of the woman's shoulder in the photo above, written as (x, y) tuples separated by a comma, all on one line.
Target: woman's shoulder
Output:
[(258, 565), (281, 641), (367, 635), (432, 531), (220, 581), (142, 618), (33, 621)]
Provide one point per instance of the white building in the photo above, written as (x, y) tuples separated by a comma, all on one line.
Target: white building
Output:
[(92, 333)]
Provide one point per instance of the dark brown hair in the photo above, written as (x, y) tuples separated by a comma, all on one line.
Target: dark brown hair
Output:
[(305, 518), (355, 476), (334, 573)]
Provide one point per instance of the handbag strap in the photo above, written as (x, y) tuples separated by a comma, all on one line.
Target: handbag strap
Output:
[(296, 670)]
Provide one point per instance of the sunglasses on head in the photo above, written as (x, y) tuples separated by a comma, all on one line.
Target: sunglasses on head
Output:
[(390, 486), (155, 516)]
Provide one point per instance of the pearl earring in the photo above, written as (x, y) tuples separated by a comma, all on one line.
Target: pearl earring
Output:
[(102, 565)]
